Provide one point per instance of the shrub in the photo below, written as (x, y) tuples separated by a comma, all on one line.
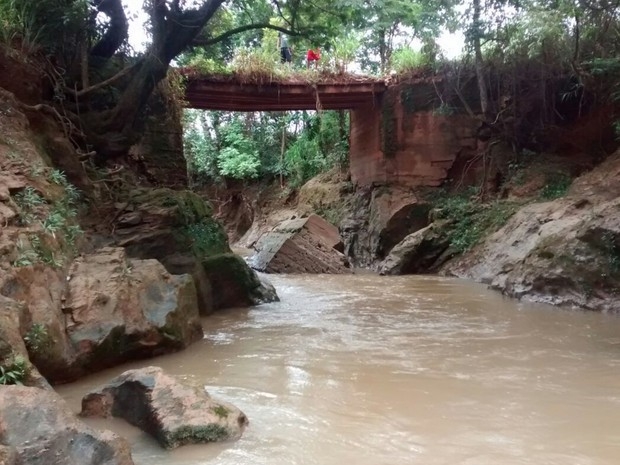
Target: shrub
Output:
[(556, 186), (406, 60), (14, 372), (470, 219), (36, 338)]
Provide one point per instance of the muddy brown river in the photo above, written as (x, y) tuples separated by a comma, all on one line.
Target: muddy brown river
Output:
[(368, 370)]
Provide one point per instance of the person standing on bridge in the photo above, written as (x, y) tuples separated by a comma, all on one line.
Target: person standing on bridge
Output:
[(285, 50), (313, 57)]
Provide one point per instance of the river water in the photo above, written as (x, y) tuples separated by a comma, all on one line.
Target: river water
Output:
[(369, 370)]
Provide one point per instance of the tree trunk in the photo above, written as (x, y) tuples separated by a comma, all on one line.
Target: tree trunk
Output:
[(112, 132), (479, 63), (282, 150)]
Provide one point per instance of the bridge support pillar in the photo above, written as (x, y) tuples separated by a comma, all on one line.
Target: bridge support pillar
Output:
[(366, 158)]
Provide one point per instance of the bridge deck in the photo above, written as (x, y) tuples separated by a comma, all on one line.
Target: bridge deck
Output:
[(212, 94)]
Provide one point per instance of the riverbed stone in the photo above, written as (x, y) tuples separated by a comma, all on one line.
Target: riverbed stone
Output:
[(378, 219), (37, 428), (235, 284), (418, 252), (301, 245), (119, 309), (172, 412)]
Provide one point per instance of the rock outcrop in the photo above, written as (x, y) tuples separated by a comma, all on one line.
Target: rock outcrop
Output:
[(107, 310), (563, 252), (177, 228), (301, 245), (12, 325), (237, 284), (174, 413), (379, 219), (37, 428), (118, 308), (419, 252)]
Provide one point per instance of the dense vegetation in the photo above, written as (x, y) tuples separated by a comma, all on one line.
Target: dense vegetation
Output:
[(555, 53)]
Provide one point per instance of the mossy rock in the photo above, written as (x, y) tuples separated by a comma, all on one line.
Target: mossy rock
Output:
[(234, 283), (191, 207), (206, 238), (159, 223), (194, 435)]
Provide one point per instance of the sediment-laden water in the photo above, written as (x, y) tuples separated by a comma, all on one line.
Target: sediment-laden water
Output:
[(369, 370)]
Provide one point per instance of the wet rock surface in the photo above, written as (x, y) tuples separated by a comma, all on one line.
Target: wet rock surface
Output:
[(301, 245), (37, 428), (235, 283), (379, 219), (174, 413), (563, 252), (419, 252), (118, 308)]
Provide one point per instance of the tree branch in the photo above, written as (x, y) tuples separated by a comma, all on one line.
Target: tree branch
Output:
[(101, 84), (238, 30), (116, 33)]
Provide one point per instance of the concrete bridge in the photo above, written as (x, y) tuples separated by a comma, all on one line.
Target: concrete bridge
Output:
[(219, 94), (395, 135)]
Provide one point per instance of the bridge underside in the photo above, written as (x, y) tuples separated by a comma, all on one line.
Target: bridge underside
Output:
[(229, 96)]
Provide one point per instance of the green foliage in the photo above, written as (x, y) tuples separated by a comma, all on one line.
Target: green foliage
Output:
[(208, 433), (556, 186), (207, 237), (37, 338), (26, 255), (221, 411), (611, 250), (304, 160), (204, 65), (406, 60), (57, 177), (470, 220), (239, 158), (259, 64), (344, 51), (28, 200), (15, 371), (234, 163), (51, 24), (57, 224), (249, 146)]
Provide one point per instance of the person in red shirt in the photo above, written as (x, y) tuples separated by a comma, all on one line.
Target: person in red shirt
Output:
[(313, 57)]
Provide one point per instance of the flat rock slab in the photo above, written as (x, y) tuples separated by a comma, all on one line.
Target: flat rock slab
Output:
[(302, 245), (37, 428), (174, 413)]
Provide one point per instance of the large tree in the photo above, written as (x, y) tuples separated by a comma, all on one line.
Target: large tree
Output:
[(111, 124)]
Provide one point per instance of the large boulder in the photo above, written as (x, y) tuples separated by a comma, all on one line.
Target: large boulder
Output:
[(108, 309), (175, 227), (37, 428), (178, 229), (237, 284), (174, 413), (42, 289), (119, 309), (379, 218), (301, 245), (419, 252), (564, 252)]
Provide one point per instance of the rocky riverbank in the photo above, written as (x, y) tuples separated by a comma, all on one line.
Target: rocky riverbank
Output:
[(98, 265)]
